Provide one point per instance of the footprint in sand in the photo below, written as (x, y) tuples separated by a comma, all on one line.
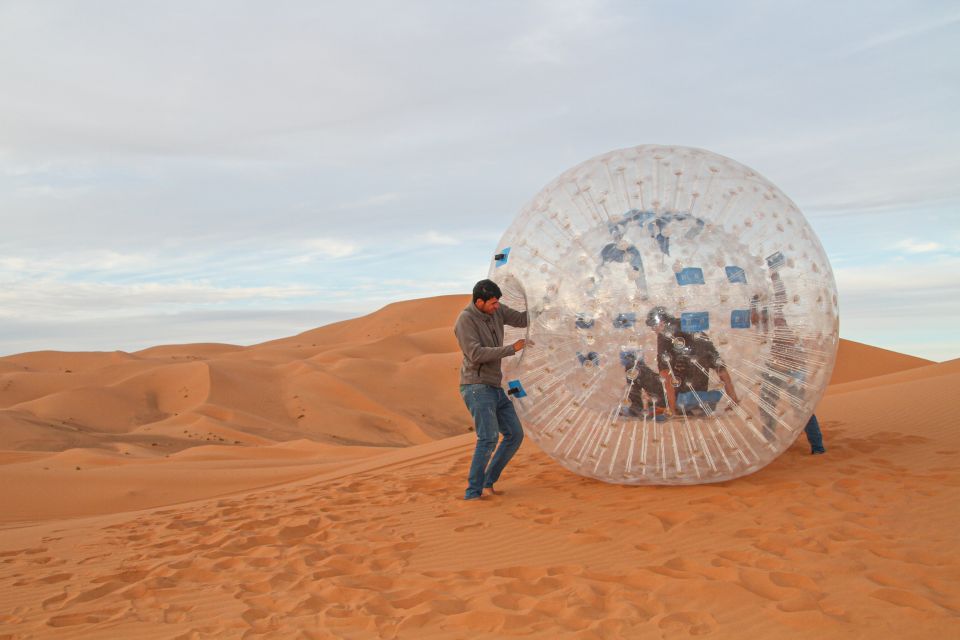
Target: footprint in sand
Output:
[(588, 536), (695, 623), (87, 617), (671, 519), (907, 599)]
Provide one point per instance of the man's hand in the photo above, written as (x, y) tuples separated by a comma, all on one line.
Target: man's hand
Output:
[(519, 344)]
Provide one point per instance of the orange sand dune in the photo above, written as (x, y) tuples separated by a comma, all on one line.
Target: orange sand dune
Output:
[(858, 543), (80, 482), (400, 318), (384, 380), (194, 351), (361, 383), (898, 377), (856, 361), (64, 361), (356, 382), (206, 491)]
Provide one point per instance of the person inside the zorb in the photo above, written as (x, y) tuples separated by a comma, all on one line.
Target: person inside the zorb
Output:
[(685, 360), (645, 388)]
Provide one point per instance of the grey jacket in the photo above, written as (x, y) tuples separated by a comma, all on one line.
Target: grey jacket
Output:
[(481, 339)]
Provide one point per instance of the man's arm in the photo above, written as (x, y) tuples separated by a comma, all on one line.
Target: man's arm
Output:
[(669, 390), (513, 317), (715, 362), (470, 344), (728, 384)]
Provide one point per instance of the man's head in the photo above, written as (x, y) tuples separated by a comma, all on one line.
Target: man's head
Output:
[(486, 296), (658, 318)]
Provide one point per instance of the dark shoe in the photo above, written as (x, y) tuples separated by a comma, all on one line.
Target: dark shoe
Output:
[(473, 497), (815, 452)]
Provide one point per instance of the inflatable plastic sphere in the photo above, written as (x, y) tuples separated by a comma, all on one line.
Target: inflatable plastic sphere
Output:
[(683, 317)]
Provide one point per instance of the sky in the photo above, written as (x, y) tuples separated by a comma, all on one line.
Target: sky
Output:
[(235, 172)]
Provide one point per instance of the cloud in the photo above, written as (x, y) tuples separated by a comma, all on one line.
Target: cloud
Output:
[(332, 247), (893, 280), (132, 333), (72, 261), (896, 36), (912, 246), (46, 298), (903, 306), (437, 238)]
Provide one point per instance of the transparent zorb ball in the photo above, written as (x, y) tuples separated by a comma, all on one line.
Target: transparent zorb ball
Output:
[(682, 317)]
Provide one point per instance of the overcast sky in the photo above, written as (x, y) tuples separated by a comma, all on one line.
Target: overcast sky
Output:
[(241, 171)]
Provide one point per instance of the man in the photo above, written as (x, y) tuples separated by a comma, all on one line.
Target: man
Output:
[(645, 386), (684, 359), (784, 370), (479, 331)]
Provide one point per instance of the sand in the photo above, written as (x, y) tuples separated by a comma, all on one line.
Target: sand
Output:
[(310, 487)]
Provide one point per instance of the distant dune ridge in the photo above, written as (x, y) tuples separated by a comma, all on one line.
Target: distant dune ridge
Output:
[(386, 379), (310, 486), (856, 361)]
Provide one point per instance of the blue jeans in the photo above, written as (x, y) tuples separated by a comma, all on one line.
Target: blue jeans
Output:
[(814, 437), (493, 413)]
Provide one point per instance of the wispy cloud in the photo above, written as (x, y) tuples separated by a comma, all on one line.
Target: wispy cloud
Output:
[(45, 298), (907, 32), (332, 247), (437, 238), (74, 261), (891, 280), (905, 306), (135, 332), (910, 245)]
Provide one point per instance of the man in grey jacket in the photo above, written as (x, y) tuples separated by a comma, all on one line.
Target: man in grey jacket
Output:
[(479, 331)]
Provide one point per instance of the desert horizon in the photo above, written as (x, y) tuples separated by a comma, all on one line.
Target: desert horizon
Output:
[(311, 486)]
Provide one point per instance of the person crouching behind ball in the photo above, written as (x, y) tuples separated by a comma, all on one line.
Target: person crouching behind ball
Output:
[(479, 331)]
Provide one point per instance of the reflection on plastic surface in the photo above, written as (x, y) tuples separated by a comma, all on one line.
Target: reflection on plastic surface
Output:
[(683, 317)]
